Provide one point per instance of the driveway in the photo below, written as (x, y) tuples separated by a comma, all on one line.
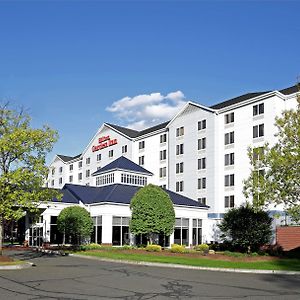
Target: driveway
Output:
[(58, 277)]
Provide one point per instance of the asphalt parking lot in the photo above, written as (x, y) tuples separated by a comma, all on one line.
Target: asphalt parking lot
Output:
[(59, 277)]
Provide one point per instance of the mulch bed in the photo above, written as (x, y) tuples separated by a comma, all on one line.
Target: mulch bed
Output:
[(4, 258)]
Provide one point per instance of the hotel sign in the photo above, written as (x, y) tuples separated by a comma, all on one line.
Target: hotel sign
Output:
[(104, 142)]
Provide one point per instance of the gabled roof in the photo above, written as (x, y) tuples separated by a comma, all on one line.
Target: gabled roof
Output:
[(122, 163), (119, 193), (68, 158), (237, 99), (290, 90), (135, 133)]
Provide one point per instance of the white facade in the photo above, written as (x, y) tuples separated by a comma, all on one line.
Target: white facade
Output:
[(210, 137)]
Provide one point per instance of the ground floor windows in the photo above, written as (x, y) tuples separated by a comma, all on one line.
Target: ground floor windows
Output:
[(197, 232), (181, 232), (96, 236), (120, 231)]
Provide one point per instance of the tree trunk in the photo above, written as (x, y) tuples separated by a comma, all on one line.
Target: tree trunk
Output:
[(1, 235)]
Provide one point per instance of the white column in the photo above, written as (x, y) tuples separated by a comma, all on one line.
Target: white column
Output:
[(172, 238), (190, 232), (106, 229)]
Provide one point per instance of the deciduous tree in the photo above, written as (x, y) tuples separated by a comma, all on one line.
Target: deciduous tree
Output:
[(22, 164)]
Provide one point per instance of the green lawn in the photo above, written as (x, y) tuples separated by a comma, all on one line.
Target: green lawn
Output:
[(279, 264)]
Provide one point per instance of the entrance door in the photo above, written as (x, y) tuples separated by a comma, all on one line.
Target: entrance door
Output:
[(36, 236)]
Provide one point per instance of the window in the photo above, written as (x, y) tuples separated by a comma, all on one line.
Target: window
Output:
[(88, 160), (141, 160), (202, 200), (163, 155), (53, 171), (79, 176), (229, 159), (229, 138), (179, 131), (71, 178), (124, 149), (71, 167), (202, 125), (120, 231), (202, 163), (87, 173), (258, 131), (201, 144), (99, 157), (179, 149), (258, 109), (229, 180), (258, 153), (96, 236), (105, 179), (133, 179), (141, 145), (197, 232), (80, 164), (164, 186), (179, 186), (60, 180), (201, 183), (162, 172), (229, 118), (60, 169), (52, 182), (181, 231), (110, 153), (179, 168), (229, 201), (163, 138)]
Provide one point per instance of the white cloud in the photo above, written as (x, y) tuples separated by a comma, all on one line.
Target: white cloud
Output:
[(144, 111)]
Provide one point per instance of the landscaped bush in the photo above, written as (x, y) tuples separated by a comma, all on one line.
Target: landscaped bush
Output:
[(92, 246), (126, 247), (175, 248), (153, 248), (202, 248)]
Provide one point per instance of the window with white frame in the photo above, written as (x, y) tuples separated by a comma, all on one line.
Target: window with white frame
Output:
[(202, 183), (229, 201), (80, 164), (71, 178), (163, 155), (163, 138), (179, 149), (60, 169), (110, 153), (229, 180), (99, 157), (202, 200), (52, 182), (229, 118), (60, 180), (229, 159), (79, 176), (179, 186), (197, 232), (141, 145), (258, 130), (258, 109), (96, 236), (181, 231), (105, 179), (71, 167), (133, 179), (180, 131), (53, 171), (124, 149), (120, 231), (201, 143), (87, 160), (229, 138), (202, 163), (87, 173), (162, 172), (141, 160), (179, 168), (201, 124)]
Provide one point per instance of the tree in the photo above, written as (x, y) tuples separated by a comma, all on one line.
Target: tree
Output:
[(152, 212), (75, 221), (275, 173), (246, 228), (22, 165)]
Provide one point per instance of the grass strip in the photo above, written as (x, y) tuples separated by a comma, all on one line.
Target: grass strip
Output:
[(12, 263), (287, 264)]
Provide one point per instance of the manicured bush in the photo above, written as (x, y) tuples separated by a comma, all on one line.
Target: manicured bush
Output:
[(202, 248), (153, 248), (92, 246), (175, 248)]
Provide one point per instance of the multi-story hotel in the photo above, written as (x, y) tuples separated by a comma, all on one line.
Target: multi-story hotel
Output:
[(200, 154)]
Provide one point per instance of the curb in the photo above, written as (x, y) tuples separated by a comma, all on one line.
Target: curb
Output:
[(17, 266), (176, 266)]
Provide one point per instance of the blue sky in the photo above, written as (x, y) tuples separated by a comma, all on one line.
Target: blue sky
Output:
[(77, 64)]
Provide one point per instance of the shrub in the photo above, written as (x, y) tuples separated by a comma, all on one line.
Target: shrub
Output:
[(233, 254), (126, 247), (92, 246), (202, 248), (175, 248), (153, 248)]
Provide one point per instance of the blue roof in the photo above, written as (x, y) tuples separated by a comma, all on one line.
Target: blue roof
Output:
[(117, 193), (122, 163), (67, 197)]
